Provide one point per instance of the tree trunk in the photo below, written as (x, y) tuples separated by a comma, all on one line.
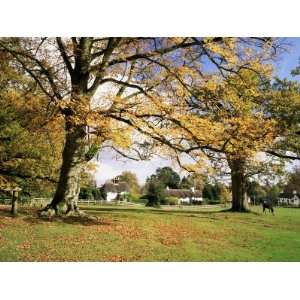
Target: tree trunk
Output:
[(67, 190), (238, 182), (14, 203)]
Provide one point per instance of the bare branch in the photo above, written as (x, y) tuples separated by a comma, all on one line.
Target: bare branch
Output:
[(283, 155), (43, 69), (64, 55)]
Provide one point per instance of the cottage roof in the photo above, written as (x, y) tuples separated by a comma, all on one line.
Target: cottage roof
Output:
[(116, 187), (289, 195), (183, 193)]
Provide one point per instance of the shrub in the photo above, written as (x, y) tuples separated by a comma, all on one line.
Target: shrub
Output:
[(97, 194), (164, 201), (92, 193), (211, 201), (197, 202), (102, 193), (86, 193), (134, 198), (142, 199), (172, 200)]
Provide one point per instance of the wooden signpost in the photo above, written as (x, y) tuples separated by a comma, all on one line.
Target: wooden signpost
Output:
[(14, 200)]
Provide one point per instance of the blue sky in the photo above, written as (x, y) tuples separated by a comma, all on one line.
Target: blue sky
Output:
[(109, 166), (289, 60)]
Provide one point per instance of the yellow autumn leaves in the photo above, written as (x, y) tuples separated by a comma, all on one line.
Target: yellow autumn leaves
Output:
[(189, 104)]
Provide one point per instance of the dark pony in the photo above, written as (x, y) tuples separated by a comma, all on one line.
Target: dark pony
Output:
[(267, 204)]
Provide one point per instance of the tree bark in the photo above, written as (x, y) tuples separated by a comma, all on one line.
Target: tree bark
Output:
[(238, 182), (68, 187), (67, 191)]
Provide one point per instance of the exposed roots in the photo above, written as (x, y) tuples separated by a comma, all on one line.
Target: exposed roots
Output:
[(69, 210), (49, 211)]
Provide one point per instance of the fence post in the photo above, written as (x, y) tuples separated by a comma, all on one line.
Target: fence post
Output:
[(14, 203)]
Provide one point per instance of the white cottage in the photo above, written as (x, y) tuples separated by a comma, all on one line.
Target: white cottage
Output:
[(289, 199), (185, 196), (116, 191)]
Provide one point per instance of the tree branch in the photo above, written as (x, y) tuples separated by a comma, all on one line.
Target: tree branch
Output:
[(64, 55), (283, 155)]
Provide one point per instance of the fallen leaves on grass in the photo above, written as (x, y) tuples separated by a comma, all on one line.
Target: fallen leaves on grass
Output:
[(25, 245), (174, 234), (117, 258), (127, 231), (170, 235)]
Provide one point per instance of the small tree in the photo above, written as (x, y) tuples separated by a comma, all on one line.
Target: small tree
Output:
[(155, 193), (131, 179), (225, 195), (208, 192), (293, 181), (86, 193), (256, 192), (103, 193)]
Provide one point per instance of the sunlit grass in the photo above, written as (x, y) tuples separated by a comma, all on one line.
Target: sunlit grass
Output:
[(137, 233)]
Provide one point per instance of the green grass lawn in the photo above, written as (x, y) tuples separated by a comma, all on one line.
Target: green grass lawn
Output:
[(137, 233)]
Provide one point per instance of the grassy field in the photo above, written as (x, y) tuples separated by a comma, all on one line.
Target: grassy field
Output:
[(137, 233)]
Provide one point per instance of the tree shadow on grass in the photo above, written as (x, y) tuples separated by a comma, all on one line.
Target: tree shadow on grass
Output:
[(74, 220), (149, 210), (192, 213), (5, 212), (32, 217), (122, 212), (94, 214)]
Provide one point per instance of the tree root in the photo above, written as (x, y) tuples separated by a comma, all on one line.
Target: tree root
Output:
[(72, 211), (49, 211)]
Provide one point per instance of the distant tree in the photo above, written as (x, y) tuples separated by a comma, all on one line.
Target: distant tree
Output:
[(217, 191), (192, 180), (186, 183), (132, 181), (208, 192), (90, 192), (256, 191), (103, 193), (273, 192), (86, 193), (225, 194), (212, 191), (155, 192), (87, 177), (167, 177), (293, 183)]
